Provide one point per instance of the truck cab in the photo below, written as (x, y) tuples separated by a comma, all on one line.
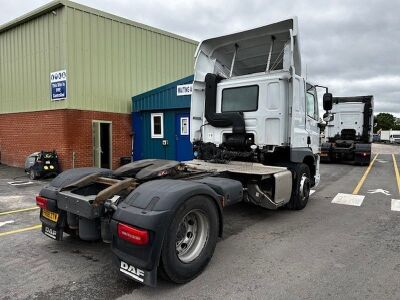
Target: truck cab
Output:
[(348, 130), (395, 138), (250, 101)]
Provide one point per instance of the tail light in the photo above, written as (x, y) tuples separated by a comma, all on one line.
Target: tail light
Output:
[(133, 235), (41, 202)]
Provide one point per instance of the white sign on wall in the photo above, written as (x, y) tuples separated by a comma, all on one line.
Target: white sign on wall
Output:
[(58, 85), (184, 89)]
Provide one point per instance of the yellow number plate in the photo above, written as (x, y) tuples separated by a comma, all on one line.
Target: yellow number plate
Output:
[(52, 216), (324, 154)]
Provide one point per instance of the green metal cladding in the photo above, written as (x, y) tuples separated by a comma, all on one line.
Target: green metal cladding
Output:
[(108, 59)]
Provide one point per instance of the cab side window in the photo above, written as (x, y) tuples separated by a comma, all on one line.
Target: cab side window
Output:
[(310, 105), (312, 102)]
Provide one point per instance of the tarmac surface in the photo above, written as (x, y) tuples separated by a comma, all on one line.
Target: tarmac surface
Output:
[(345, 249)]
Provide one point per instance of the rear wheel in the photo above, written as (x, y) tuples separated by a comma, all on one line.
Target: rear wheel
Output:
[(301, 187), (190, 240)]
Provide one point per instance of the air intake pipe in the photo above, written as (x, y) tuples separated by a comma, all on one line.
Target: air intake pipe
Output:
[(225, 119)]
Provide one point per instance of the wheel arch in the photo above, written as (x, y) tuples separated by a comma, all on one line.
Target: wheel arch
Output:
[(152, 206), (306, 156), (310, 162)]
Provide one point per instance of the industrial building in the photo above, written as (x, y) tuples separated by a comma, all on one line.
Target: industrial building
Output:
[(67, 76)]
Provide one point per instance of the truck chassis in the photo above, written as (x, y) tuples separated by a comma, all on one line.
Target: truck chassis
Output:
[(135, 207)]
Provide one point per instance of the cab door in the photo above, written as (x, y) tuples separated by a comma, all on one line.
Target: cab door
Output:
[(297, 111), (312, 118)]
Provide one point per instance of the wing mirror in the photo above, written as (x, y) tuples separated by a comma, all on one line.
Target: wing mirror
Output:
[(327, 117), (327, 101)]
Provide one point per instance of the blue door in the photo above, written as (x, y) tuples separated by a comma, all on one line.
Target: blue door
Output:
[(183, 147)]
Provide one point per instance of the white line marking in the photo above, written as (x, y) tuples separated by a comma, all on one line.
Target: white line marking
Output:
[(385, 192), (6, 222), (395, 205), (18, 183), (381, 161), (348, 199), (312, 192)]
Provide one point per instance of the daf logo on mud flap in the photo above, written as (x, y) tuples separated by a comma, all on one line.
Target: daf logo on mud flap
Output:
[(50, 232), (131, 271)]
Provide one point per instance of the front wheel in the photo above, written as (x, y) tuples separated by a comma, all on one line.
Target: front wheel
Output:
[(32, 174), (190, 240), (301, 187)]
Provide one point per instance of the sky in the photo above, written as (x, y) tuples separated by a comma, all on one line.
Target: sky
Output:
[(353, 47)]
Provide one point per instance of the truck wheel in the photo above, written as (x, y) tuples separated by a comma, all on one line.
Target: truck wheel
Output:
[(190, 240), (301, 187)]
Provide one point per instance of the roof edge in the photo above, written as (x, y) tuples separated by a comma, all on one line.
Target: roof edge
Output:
[(66, 3), (32, 14)]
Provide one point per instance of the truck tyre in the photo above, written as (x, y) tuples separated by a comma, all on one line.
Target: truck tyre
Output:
[(301, 187), (190, 240)]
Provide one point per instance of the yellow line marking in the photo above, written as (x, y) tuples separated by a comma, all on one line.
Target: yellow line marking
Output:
[(361, 182), (396, 171), (18, 210), (21, 230)]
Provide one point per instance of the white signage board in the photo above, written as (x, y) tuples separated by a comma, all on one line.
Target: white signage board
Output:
[(58, 85), (184, 89)]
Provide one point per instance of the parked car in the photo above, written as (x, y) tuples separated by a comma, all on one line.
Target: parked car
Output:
[(42, 164)]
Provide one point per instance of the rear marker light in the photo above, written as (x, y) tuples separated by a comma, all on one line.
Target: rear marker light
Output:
[(41, 202), (133, 235)]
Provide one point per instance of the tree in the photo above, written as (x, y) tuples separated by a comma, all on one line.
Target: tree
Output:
[(384, 121)]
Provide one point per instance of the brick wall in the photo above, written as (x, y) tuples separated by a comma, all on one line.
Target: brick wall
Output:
[(65, 130)]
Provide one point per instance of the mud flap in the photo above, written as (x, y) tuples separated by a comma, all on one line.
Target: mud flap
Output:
[(138, 274), (54, 230), (325, 155), (362, 153)]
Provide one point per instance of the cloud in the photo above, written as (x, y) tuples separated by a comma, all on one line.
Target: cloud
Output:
[(351, 46)]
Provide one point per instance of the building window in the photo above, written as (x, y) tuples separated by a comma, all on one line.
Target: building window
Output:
[(185, 126), (157, 126)]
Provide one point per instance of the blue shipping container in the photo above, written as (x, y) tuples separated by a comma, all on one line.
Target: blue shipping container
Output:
[(161, 122)]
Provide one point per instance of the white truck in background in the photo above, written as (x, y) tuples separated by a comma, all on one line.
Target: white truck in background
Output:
[(390, 136), (349, 130)]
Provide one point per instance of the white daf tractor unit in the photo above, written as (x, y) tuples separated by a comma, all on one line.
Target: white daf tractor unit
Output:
[(255, 130), (349, 130)]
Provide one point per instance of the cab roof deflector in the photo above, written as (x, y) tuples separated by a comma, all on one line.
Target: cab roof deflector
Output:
[(275, 43)]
